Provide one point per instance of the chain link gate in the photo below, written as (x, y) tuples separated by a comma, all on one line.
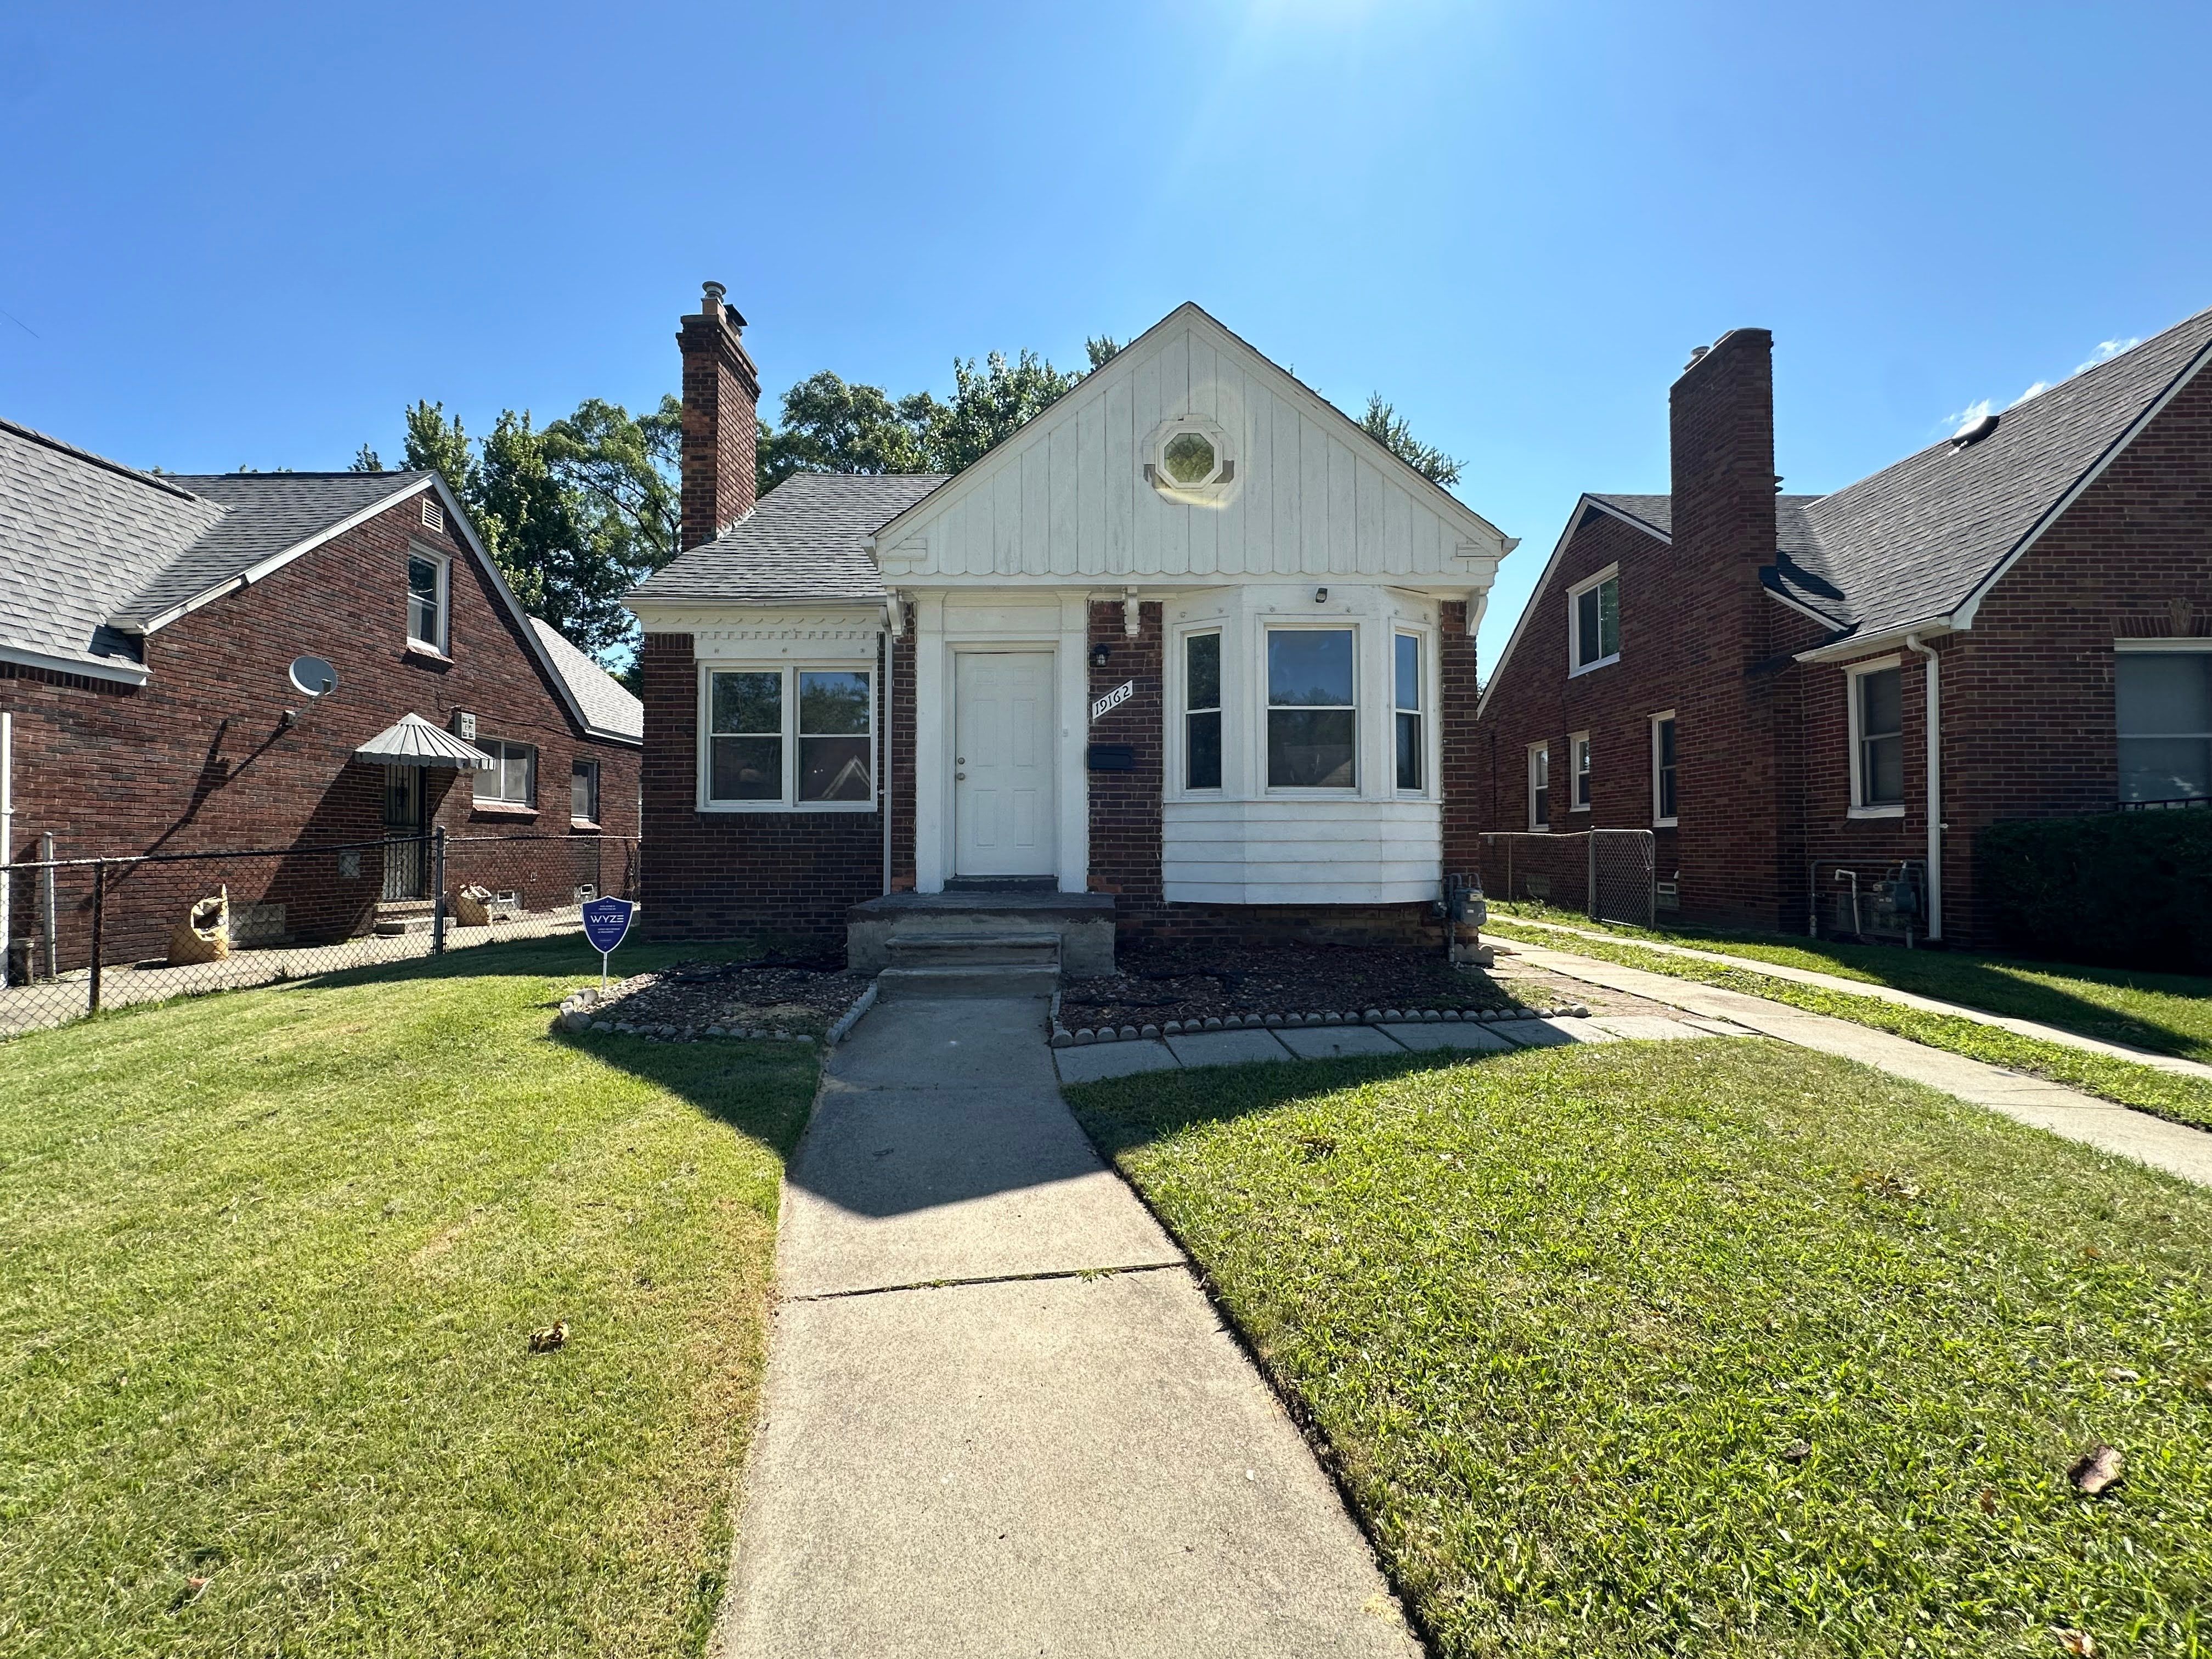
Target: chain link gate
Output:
[(1609, 875)]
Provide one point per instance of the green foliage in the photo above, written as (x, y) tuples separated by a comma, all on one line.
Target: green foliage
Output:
[(274, 1258), (1100, 348), (1395, 433), (830, 425), (437, 445), (2133, 889), (1721, 1348), (365, 459), (989, 405)]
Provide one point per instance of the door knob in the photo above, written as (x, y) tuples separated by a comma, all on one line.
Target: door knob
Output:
[(960, 760)]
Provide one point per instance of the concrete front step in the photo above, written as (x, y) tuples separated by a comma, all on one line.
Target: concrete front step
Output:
[(1020, 980), (976, 948), (397, 916)]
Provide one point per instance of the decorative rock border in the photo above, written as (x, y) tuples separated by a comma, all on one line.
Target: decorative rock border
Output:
[(582, 1011), (1064, 1038), (851, 1017)]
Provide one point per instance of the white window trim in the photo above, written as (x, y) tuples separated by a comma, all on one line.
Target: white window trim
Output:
[(1425, 641), (1578, 748), (442, 646), (2162, 647), (1544, 750), (599, 778), (1852, 675), (2169, 648), (704, 749), (1657, 822), (500, 803), (1356, 789), (1610, 574), (1179, 733)]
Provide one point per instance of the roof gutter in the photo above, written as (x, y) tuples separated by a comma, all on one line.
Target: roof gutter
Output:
[(1860, 645)]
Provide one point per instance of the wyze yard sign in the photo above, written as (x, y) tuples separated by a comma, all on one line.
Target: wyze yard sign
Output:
[(606, 922), (1113, 700)]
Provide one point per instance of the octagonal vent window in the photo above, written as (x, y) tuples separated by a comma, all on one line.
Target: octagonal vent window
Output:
[(1187, 460), (1190, 457)]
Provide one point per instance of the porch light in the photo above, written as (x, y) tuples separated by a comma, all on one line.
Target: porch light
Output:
[(1321, 596), (1099, 654)]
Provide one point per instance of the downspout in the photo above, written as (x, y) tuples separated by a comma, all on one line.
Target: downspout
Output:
[(1934, 721), (895, 617)]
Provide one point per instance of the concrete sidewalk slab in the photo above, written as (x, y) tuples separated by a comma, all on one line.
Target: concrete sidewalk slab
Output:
[(2104, 1124), (1534, 1033), (1091, 1061), (910, 1186), (1480, 1039), (1328, 1041), (1226, 1047), (1067, 1467), (956, 1042), (1649, 1028)]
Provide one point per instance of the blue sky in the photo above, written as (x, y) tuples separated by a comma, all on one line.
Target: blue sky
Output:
[(251, 235)]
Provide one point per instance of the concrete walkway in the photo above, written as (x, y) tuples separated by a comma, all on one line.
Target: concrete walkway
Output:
[(1859, 987), (2101, 1123), (1000, 1416)]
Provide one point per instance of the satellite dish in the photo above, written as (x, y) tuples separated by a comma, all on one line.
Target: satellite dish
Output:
[(314, 676)]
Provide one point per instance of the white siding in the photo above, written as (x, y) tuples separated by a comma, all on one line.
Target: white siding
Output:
[(1300, 852), (1311, 497)]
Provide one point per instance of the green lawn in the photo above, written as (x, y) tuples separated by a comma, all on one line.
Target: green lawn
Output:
[(273, 1260), (1563, 1317), (2171, 1013), (2164, 1094)]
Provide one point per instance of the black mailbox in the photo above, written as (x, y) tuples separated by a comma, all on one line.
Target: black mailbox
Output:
[(1113, 757)]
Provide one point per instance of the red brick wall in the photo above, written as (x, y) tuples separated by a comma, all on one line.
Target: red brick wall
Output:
[(782, 876), (722, 395), (1465, 771), (199, 757), (1125, 807)]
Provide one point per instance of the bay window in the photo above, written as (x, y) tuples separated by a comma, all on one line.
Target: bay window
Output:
[(788, 737), (1201, 716), (1407, 674), (1313, 716)]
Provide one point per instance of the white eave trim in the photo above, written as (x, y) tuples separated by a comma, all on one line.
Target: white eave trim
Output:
[(1857, 646), (1963, 617), (132, 675)]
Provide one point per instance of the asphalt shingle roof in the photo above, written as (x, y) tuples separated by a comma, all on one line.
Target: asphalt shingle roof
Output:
[(803, 542), (1912, 541), (606, 702), (88, 546), (265, 513)]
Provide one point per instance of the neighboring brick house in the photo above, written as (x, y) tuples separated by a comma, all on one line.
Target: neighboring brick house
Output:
[(1750, 674), (1185, 653), (162, 645)]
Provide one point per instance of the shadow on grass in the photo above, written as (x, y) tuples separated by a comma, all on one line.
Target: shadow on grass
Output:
[(1122, 1113)]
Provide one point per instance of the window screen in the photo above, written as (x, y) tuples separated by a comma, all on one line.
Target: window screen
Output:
[(2165, 708)]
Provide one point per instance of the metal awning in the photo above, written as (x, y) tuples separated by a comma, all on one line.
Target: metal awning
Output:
[(413, 741)]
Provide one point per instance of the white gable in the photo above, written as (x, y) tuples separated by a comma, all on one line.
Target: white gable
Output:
[(1310, 495)]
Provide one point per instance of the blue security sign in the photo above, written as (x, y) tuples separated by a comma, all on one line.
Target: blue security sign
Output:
[(606, 921)]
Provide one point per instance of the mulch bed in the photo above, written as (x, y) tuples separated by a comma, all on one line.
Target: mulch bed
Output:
[(774, 997), (1158, 983)]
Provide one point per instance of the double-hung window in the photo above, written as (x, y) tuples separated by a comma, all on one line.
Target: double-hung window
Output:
[(1877, 717), (512, 779), (1201, 711), (584, 792), (1406, 715), (1539, 786), (1313, 716), (2164, 709), (1579, 762), (1663, 771), (1594, 622), (789, 737), (429, 580)]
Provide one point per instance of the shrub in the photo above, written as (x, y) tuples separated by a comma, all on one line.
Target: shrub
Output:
[(2130, 889)]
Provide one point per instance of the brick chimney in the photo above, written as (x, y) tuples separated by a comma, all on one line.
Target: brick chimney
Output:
[(1739, 845), (722, 395)]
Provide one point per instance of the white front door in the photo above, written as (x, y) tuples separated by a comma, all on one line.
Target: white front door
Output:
[(1003, 819)]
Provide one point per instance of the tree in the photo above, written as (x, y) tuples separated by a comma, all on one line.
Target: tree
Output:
[(625, 473), (1395, 433), (365, 459), (989, 405), (437, 445), (830, 425)]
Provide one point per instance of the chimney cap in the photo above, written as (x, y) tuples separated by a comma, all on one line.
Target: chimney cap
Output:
[(1696, 352), (712, 304)]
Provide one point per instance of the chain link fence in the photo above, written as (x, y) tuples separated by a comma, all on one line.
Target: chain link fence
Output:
[(85, 935), (1607, 875)]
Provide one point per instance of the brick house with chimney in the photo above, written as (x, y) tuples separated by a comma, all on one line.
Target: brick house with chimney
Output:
[(1188, 654), (1815, 701), (281, 659)]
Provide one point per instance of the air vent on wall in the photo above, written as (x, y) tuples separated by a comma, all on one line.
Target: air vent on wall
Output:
[(433, 516)]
